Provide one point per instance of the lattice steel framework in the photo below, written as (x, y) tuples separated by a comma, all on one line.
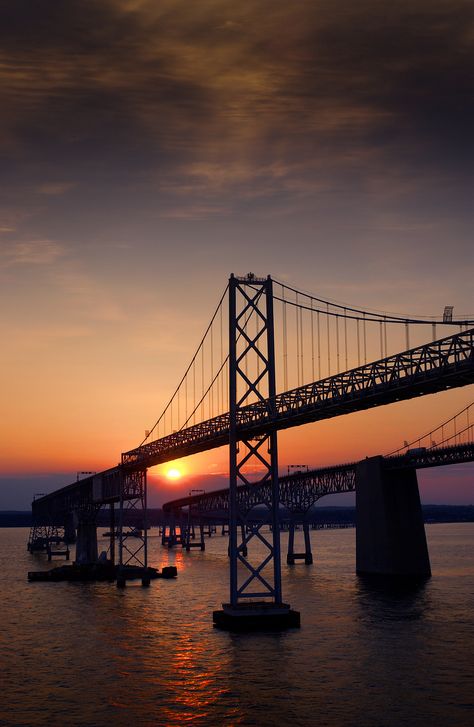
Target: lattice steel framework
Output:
[(133, 549), (253, 577)]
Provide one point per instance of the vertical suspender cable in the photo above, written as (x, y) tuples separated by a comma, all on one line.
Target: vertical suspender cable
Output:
[(337, 344), (407, 335), (194, 391), (365, 339), (202, 382), (221, 405), (381, 339), (345, 338), (211, 393), (319, 348), (257, 346), (358, 343), (297, 343), (301, 346), (246, 345), (227, 383), (312, 343), (328, 337), (186, 399), (385, 336), (285, 347)]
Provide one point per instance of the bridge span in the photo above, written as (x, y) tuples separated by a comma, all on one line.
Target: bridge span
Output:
[(436, 366), (299, 491)]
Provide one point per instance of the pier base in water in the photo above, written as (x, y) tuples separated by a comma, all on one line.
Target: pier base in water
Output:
[(390, 536), (260, 616)]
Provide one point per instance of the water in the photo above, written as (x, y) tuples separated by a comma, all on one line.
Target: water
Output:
[(91, 654)]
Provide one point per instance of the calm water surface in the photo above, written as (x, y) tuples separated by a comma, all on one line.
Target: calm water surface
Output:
[(91, 654)]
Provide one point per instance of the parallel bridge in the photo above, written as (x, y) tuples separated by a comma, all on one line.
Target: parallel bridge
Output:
[(298, 492)]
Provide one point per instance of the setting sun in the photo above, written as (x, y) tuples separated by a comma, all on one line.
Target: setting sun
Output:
[(173, 473)]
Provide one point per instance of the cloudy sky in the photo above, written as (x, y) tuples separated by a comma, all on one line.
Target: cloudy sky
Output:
[(151, 147)]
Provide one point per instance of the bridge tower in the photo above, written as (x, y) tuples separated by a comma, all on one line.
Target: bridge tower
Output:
[(255, 576), (133, 545)]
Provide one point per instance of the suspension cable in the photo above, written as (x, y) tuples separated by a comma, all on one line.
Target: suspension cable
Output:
[(440, 426), (371, 315), (188, 368)]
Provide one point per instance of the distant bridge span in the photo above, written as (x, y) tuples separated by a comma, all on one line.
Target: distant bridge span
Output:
[(298, 492)]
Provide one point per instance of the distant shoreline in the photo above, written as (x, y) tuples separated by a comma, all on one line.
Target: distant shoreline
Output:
[(322, 515)]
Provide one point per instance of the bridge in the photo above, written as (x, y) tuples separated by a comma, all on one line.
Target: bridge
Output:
[(228, 396), (298, 493)]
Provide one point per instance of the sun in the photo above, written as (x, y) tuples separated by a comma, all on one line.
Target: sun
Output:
[(173, 473)]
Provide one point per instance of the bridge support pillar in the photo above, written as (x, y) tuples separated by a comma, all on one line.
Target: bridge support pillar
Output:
[(190, 539), (292, 557), (69, 528), (133, 549), (86, 544), (390, 535)]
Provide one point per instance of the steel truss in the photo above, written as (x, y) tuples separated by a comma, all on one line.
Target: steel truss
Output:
[(253, 577), (133, 549), (297, 493), (443, 364), (43, 535), (300, 491)]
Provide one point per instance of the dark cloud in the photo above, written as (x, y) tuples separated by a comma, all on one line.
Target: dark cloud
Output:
[(264, 98)]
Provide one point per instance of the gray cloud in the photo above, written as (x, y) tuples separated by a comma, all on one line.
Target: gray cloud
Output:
[(216, 104)]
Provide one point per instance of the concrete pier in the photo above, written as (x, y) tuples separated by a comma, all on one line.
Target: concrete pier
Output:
[(86, 545), (69, 528), (258, 616), (292, 557), (390, 535)]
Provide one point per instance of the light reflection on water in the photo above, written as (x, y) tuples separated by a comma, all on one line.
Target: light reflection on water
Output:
[(92, 654)]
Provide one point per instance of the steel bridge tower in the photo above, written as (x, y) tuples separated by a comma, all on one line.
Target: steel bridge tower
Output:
[(255, 578)]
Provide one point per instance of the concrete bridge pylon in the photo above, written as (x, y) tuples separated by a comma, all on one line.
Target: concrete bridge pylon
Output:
[(390, 533)]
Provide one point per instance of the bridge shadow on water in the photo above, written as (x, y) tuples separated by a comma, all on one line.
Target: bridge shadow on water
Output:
[(383, 598)]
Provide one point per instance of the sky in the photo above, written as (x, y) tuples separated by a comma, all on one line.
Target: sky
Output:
[(149, 148)]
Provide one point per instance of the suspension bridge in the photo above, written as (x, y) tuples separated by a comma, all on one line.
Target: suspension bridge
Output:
[(271, 358)]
